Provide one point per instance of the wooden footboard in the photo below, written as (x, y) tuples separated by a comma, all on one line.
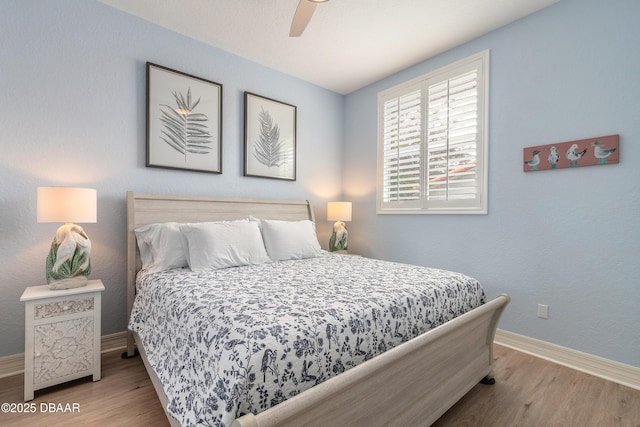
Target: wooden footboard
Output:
[(412, 384)]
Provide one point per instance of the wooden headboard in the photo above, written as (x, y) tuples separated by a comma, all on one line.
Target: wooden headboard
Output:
[(143, 209)]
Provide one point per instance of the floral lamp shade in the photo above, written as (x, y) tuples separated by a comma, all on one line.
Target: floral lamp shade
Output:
[(68, 264)]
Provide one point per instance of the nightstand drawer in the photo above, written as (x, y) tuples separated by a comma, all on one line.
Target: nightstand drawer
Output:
[(62, 308)]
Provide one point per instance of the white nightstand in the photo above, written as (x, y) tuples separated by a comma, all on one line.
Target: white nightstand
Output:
[(62, 335)]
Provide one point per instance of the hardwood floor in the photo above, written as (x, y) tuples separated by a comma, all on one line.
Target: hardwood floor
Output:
[(533, 392), (123, 397), (528, 392)]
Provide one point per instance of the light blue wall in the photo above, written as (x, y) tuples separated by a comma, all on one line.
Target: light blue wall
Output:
[(72, 84), (566, 238), (72, 80)]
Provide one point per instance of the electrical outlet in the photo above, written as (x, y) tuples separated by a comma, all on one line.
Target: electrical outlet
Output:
[(543, 311)]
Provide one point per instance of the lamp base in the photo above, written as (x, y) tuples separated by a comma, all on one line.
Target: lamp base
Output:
[(68, 261), (338, 240), (70, 283)]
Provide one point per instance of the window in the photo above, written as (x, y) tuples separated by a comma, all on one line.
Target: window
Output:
[(432, 142)]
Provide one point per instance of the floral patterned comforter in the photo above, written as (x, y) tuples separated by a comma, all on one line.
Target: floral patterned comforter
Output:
[(228, 342)]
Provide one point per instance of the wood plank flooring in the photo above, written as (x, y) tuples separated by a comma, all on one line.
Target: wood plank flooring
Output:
[(123, 397), (529, 392), (532, 392)]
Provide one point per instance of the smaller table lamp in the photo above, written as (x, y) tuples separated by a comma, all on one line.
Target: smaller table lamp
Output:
[(339, 212), (68, 264)]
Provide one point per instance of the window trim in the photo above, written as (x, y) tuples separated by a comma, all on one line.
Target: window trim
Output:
[(424, 206)]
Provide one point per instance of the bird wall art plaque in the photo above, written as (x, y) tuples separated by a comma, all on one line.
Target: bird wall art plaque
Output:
[(585, 152)]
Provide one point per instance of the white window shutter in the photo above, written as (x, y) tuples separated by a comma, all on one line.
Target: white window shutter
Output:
[(432, 141), (402, 117), (451, 138)]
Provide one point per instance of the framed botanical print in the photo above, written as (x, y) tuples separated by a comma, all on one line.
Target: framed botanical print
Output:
[(184, 121), (269, 138)]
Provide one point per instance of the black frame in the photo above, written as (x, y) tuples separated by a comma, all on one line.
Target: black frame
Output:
[(259, 155), (164, 142)]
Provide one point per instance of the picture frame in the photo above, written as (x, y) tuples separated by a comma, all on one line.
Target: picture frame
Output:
[(269, 138), (184, 121), (602, 150)]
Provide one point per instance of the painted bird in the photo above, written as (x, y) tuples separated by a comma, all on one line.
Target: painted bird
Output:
[(600, 152), (534, 161), (553, 157), (269, 363), (573, 155)]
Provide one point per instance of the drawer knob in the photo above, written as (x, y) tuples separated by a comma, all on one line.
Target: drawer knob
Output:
[(38, 354), (65, 308)]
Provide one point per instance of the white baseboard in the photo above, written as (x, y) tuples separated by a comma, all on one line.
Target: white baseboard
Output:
[(14, 364), (11, 365), (112, 342), (620, 373)]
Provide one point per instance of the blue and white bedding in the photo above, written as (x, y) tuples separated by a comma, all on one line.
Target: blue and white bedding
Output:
[(243, 339)]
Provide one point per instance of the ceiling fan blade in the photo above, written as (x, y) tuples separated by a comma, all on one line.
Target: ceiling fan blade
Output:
[(301, 18)]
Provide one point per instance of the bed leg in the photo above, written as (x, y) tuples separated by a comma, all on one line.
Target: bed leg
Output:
[(132, 351), (488, 380), (126, 355)]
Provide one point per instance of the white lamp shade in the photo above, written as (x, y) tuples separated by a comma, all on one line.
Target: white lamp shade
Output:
[(339, 211), (65, 204)]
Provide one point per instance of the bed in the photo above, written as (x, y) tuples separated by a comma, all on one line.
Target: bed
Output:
[(408, 368)]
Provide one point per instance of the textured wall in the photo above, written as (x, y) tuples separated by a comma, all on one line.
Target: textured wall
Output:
[(72, 79), (567, 238)]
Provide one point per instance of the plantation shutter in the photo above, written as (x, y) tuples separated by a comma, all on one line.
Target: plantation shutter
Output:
[(451, 148), (432, 142), (402, 129)]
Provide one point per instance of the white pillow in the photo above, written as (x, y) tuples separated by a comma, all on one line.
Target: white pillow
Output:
[(161, 246), (290, 239), (203, 225), (223, 244)]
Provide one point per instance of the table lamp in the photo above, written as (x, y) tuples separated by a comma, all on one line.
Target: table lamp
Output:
[(339, 212), (68, 264)]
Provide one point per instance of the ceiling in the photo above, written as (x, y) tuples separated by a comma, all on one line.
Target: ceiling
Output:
[(347, 45)]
